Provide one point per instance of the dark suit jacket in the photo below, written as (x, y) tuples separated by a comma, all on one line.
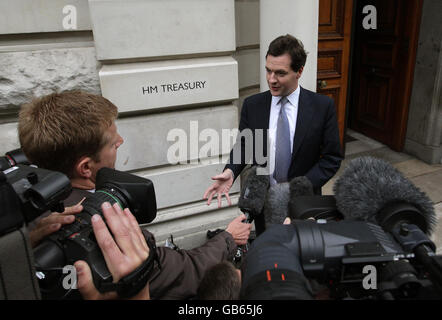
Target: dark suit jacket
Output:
[(316, 146)]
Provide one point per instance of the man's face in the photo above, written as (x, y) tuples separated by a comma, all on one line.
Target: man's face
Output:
[(108, 154), (282, 80)]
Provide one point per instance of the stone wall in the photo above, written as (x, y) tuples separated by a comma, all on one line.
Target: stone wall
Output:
[(38, 56), (27, 74)]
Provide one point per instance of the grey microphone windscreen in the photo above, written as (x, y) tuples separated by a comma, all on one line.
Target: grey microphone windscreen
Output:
[(276, 204), (279, 196), (253, 192), (367, 185), (300, 186)]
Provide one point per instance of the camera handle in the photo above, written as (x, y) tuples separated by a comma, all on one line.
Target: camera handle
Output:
[(17, 280), (135, 281), (431, 262)]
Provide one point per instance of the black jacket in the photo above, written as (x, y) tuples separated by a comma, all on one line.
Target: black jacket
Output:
[(316, 146)]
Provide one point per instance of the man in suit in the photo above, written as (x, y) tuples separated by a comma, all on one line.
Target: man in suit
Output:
[(300, 128)]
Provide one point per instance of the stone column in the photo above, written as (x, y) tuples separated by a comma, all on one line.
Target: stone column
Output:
[(298, 18), (247, 48), (424, 130)]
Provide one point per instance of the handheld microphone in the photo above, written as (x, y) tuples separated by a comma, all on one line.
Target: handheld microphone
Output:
[(253, 193), (373, 190), (279, 197)]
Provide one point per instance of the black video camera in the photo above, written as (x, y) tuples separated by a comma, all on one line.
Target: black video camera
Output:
[(392, 258), (77, 241), (28, 191), (13, 158)]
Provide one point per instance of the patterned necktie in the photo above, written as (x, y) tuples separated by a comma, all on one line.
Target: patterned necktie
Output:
[(283, 154)]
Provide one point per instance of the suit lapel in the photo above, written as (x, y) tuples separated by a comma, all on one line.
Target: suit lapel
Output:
[(264, 117), (305, 115)]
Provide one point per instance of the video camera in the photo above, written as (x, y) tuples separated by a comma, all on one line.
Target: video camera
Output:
[(28, 191), (399, 255), (368, 241)]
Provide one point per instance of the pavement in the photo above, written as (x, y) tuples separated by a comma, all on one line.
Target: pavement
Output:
[(428, 178)]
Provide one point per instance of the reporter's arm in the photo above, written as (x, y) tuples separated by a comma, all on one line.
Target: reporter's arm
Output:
[(182, 270)]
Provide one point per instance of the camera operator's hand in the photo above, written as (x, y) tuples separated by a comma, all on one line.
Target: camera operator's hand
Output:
[(239, 230), (53, 223), (123, 253)]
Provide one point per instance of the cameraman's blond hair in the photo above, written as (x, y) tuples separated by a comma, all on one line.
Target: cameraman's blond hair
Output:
[(56, 130)]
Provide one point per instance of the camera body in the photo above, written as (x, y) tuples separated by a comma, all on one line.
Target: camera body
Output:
[(77, 241), (12, 158), (27, 191), (341, 254)]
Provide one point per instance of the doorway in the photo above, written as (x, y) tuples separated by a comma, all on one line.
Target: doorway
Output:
[(382, 70), (369, 72)]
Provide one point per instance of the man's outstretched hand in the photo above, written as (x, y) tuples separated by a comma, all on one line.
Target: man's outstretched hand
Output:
[(223, 183), (123, 253)]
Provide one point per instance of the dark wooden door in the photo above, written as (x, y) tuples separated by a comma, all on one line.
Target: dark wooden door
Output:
[(335, 19), (383, 68)]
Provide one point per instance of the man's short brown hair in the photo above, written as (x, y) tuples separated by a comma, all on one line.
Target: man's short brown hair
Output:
[(56, 130), (220, 282), (289, 44)]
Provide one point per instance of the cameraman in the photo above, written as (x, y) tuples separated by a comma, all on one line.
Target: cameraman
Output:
[(74, 132)]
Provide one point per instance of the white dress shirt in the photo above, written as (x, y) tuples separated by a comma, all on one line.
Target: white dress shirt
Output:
[(292, 114)]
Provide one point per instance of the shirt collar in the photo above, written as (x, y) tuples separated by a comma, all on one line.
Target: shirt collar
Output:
[(293, 97)]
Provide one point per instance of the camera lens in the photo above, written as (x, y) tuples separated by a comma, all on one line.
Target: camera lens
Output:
[(92, 204)]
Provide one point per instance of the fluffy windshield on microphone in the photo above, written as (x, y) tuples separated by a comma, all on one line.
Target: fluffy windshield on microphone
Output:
[(276, 204), (300, 186), (253, 192), (367, 185), (276, 207)]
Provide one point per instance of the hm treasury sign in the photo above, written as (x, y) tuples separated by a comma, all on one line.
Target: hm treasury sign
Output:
[(159, 84)]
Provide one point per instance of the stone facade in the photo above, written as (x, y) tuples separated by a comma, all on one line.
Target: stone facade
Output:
[(30, 74), (163, 74), (424, 130)]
